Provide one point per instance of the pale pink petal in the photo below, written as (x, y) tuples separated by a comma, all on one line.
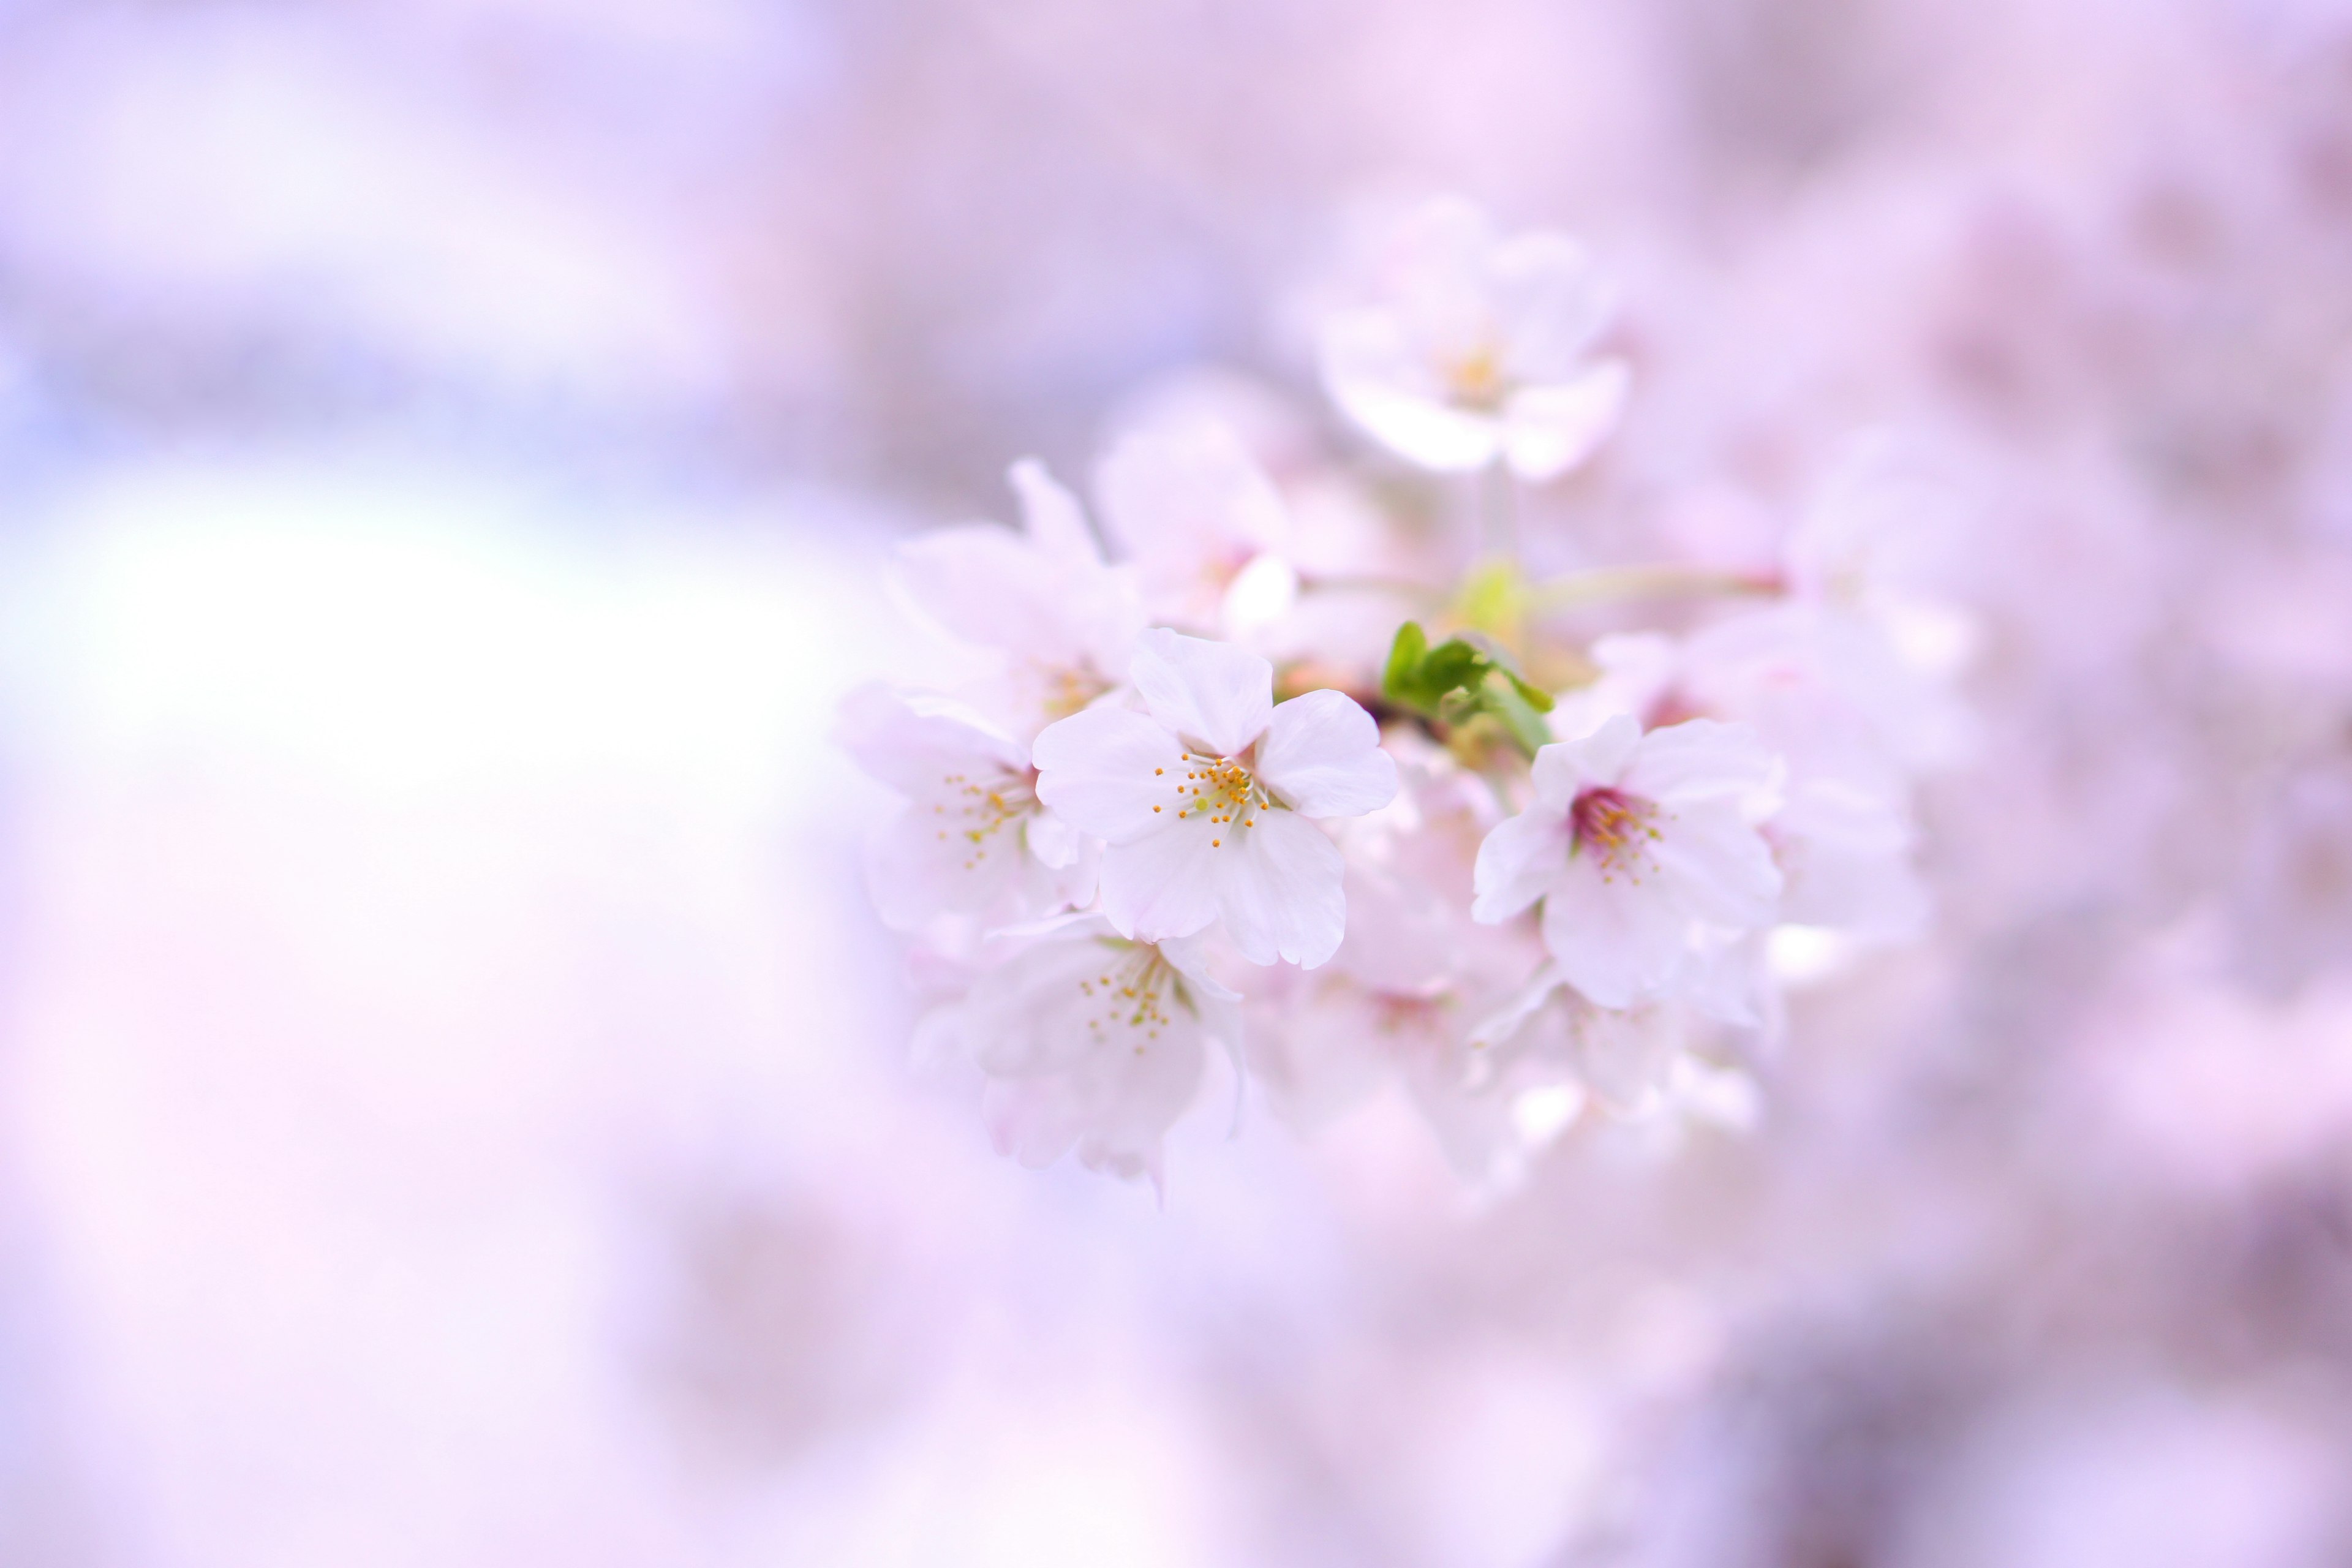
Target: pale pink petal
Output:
[(1550, 429), (1177, 494), (1551, 303), (1566, 768), (986, 586), (912, 740), (1322, 755), (1164, 883), (1105, 769), (1211, 693), (1216, 1006), (1524, 1004), (1625, 1055), (1052, 840), (1279, 891), (1188, 956), (1716, 866), (916, 870), (1615, 942), (1153, 1088), (1704, 760), (1056, 523), (1044, 887), (1845, 861), (1518, 863)]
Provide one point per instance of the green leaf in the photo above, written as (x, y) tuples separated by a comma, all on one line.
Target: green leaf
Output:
[(1460, 679), (1405, 654)]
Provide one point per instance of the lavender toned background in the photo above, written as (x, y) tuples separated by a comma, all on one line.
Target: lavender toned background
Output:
[(453, 1107)]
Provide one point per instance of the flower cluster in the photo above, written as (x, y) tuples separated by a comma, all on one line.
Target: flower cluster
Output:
[(1312, 770)]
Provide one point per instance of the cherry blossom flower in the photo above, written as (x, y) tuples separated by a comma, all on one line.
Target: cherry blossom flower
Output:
[(1206, 799), (1398, 1000), (1204, 524), (1062, 622), (1643, 851), (973, 837), (1090, 1039), (1842, 835), (1478, 349)]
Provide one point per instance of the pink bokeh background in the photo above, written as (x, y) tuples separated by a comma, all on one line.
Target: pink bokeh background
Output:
[(453, 1103)]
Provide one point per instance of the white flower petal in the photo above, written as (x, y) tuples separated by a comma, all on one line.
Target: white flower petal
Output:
[(1261, 592), (1701, 760), (1716, 866), (1550, 429), (1518, 862), (1616, 943), (1382, 382), (1279, 891), (1322, 755), (1597, 760), (1097, 769), (1211, 693), (1164, 883)]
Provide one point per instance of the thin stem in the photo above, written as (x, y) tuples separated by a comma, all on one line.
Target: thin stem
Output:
[(1366, 582), (1501, 505), (1606, 584)]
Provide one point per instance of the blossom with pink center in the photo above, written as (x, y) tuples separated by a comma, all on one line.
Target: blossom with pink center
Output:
[(1206, 799), (1644, 853)]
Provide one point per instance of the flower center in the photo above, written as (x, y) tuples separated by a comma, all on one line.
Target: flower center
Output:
[(1475, 379), (1061, 689), (1130, 994), (1615, 828), (977, 809), (1220, 791)]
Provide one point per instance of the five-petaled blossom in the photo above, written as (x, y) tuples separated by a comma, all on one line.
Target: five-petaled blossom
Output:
[(1204, 524), (1204, 799), (973, 837), (1063, 620), (1088, 1038), (1480, 348), (1644, 850)]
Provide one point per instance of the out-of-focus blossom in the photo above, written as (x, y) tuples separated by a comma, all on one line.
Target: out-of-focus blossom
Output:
[(1088, 1040), (2291, 901), (1635, 1062), (1644, 852), (1476, 348), (1204, 526), (1205, 799), (1063, 623)]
